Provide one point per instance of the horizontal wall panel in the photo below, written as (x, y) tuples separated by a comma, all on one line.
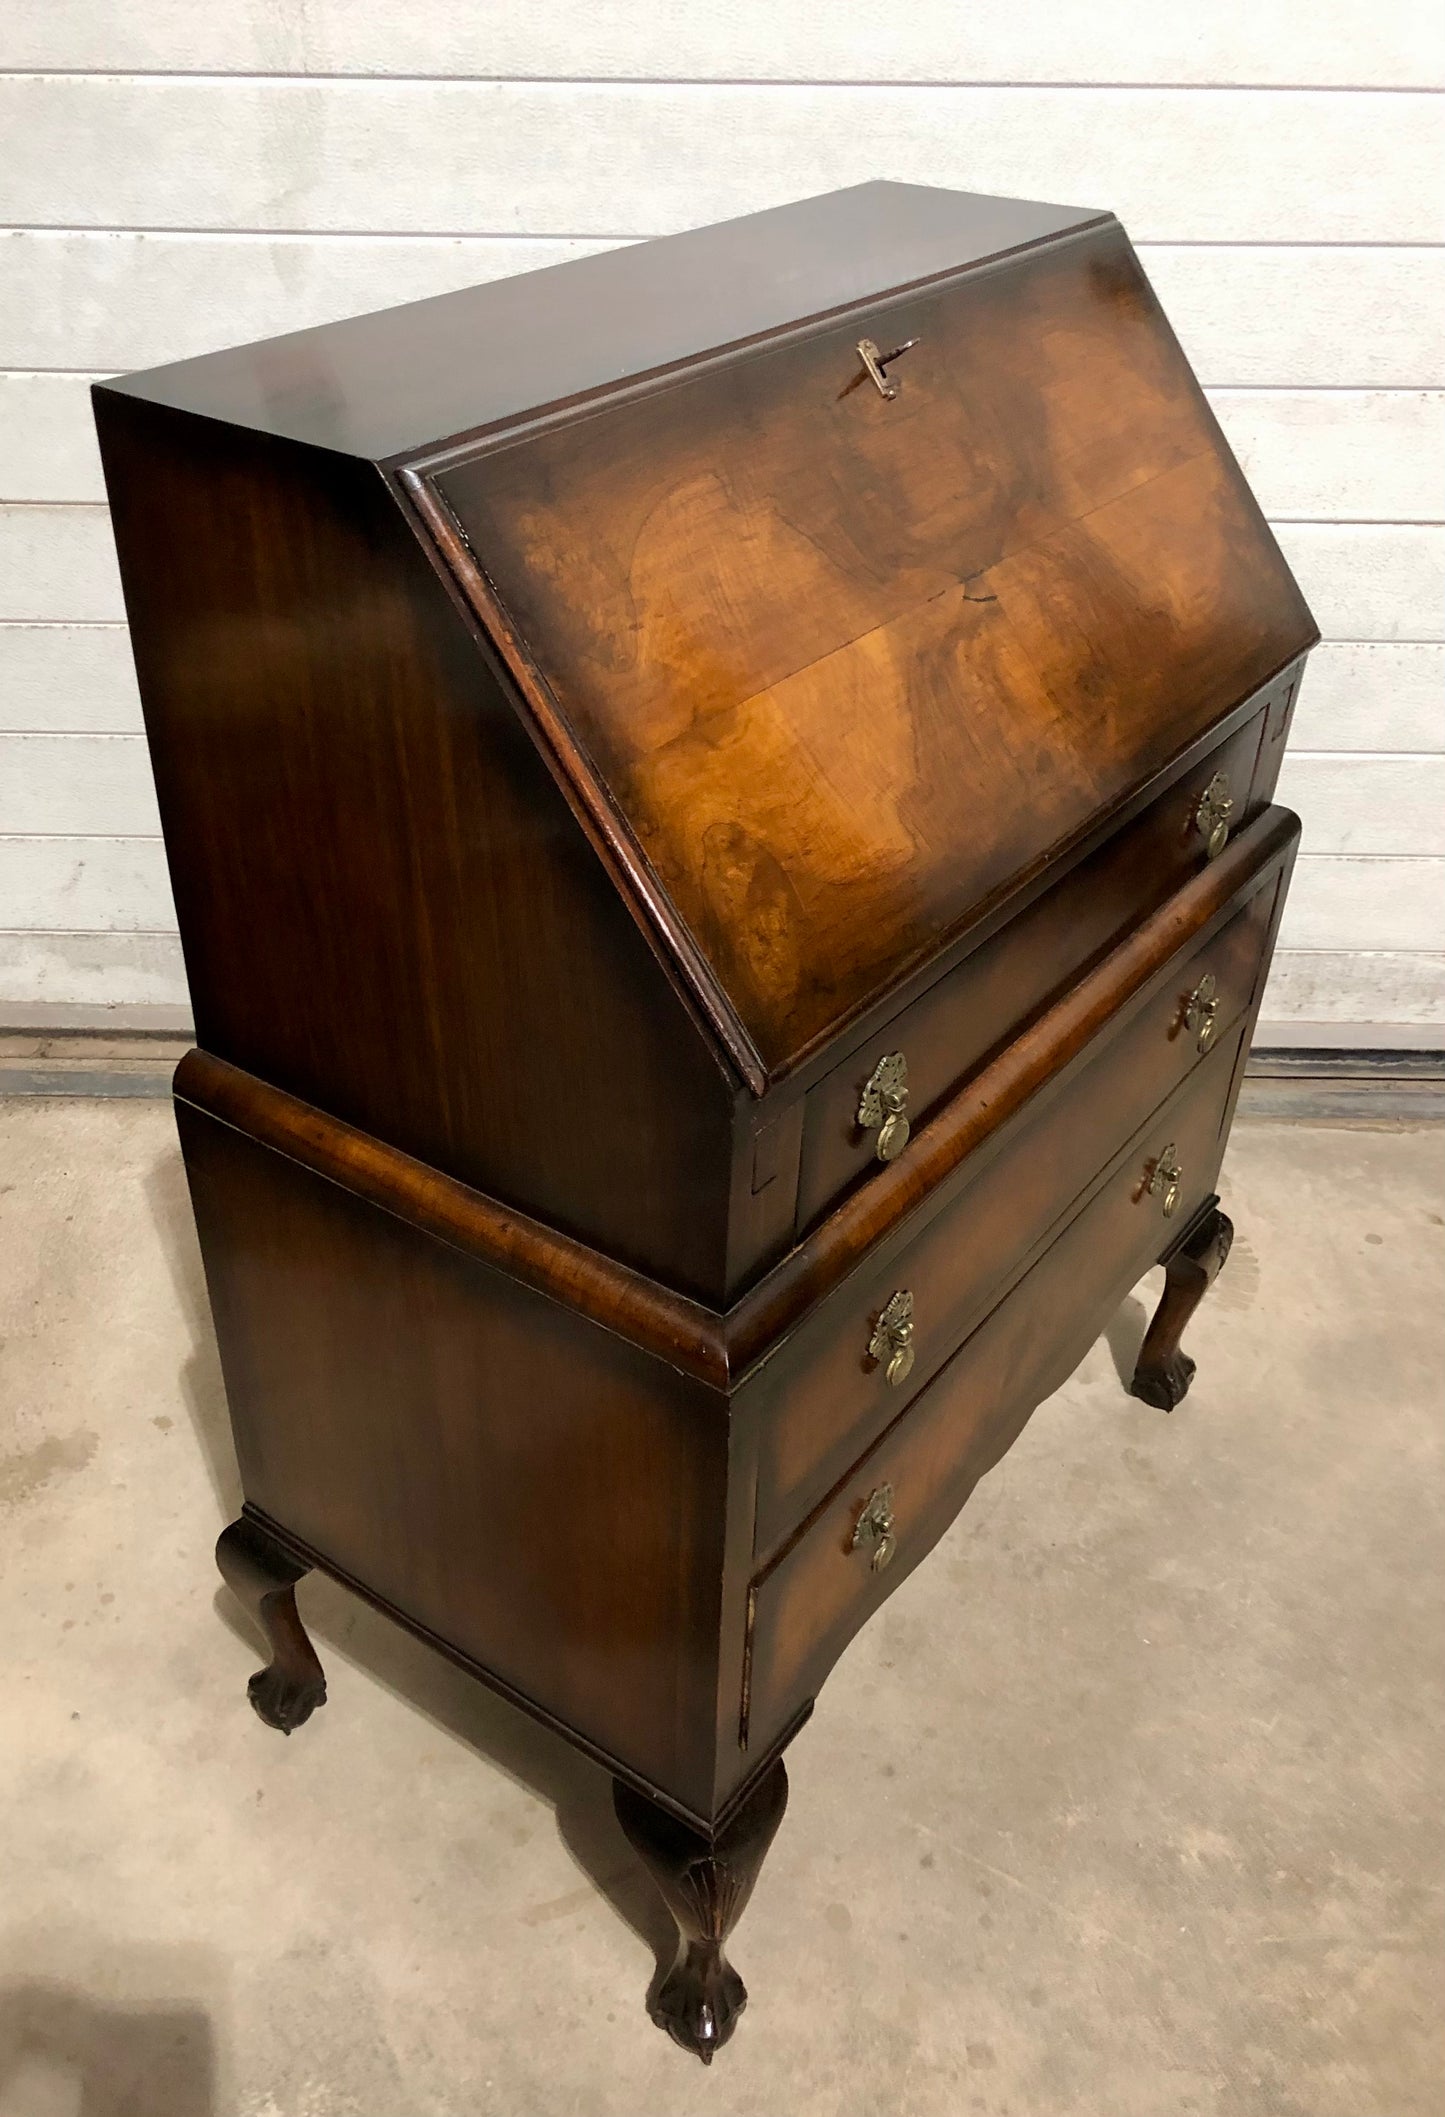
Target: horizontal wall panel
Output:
[(1349, 904), (91, 970), (1367, 805), (64, 678), (47, 439), (1376, 987), (1329, 317), (1398, 42), (106, 300), (58, 562), (1320, 455), (1370, 581), (109, 301), (1369, 695), (1340, 455), (567, 159), (82, 884), (77, 785)]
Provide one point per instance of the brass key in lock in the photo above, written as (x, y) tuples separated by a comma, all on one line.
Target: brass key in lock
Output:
[(876, 364), (882, 1107), (891, 1344)]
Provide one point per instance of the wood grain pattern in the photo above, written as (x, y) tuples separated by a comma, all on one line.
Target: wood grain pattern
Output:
[(1367, 582), (820, 1590), (819, 1399), (1019, 969), (673, 1329), (530, 1488), (336, 764), (1041, 1054), (851, 668), (714, 1346), (557, 807), (706, 1882)]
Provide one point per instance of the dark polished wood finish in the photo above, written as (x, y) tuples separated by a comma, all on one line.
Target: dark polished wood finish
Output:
[(597, 725), (706, 1882), (850, 668), (1022, 967), (1164, 1373), (721, 1346), (820, 1398), (262, 1576)]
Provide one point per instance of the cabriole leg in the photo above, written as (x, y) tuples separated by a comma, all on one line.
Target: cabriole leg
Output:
[(263, 1578), (706, 1883), (1164, 1373)]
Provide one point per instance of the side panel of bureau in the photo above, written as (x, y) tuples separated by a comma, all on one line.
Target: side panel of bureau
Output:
[(543, 1499), (386, 905)]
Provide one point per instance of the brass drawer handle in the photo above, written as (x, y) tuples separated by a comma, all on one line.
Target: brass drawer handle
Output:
[(874, 1528), (1201, 1011), (883, 1105), (1212, 814), (1165, 1178), (892, 1339)]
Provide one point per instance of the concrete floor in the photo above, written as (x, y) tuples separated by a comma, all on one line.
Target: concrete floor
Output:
[(1128, 1803)]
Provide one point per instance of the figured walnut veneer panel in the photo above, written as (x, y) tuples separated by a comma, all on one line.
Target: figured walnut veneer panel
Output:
[(853, 668)]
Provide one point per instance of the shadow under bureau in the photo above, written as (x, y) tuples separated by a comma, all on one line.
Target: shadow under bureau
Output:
[(719, 805)]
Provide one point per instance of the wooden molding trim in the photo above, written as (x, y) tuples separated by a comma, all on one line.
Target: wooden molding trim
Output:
[(611, 835), (677, 1330), (713, 1347), (1041, 1056)]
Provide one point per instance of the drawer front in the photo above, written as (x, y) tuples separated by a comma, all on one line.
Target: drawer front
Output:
[(835, 1381), (944, 1034), (805, 1608)]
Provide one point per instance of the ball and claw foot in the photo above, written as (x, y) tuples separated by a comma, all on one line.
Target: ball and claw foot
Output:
[(1163, 1373), (700, 1999), (706, 1883), (1167, 1384), (281, 1701), (262, 1577)]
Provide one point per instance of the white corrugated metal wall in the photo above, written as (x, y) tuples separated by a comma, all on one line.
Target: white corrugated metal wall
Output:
[(180, 176)]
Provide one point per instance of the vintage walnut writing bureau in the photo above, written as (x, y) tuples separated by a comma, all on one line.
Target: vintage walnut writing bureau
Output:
[(719, 806)]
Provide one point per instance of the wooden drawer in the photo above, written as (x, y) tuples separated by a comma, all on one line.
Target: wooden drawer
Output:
[(806, 1606), (822, 1395), (953, 1026)]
